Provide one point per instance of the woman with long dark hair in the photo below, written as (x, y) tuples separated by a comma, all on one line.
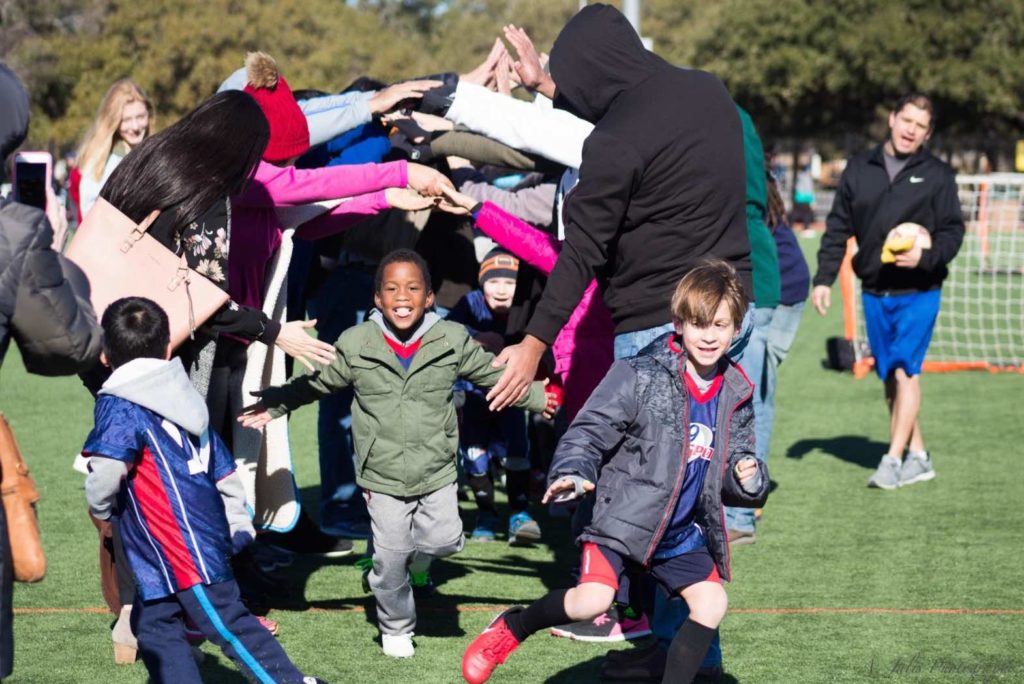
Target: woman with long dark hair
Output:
[(189, 172)]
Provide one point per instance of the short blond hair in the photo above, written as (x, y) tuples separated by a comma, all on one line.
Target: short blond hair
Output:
[(701, 291)]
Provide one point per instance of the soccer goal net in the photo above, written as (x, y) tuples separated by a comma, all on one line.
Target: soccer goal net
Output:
[(981, 322)]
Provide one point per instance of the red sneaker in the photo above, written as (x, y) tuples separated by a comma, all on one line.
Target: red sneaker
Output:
[(492, 648)]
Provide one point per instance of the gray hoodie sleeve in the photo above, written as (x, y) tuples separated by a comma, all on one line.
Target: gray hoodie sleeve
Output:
[(232, 493), (103, 483)]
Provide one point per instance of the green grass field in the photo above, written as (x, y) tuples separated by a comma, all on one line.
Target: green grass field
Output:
[(844, 584)]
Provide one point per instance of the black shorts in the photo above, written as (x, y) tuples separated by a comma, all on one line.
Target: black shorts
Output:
[(605, 566)]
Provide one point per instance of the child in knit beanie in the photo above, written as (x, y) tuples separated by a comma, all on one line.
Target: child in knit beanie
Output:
[(488, 438)]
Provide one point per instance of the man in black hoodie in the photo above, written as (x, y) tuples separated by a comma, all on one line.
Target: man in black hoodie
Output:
[(661, 187), (897, 182)]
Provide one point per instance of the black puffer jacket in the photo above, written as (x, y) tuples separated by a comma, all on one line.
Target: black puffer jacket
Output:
[(662, 182), (639, 417), (44, 302)]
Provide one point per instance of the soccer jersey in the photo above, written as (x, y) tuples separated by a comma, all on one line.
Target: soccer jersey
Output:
[(171, 515), (683, 533)]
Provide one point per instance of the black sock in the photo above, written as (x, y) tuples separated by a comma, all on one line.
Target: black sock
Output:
[(687, 652), (483, 492), (517, 485), (545, 612)]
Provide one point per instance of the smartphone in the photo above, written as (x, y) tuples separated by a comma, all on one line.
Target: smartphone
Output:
[(33, 174)]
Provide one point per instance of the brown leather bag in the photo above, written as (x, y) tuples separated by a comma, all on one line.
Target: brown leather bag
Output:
[(20, 496)]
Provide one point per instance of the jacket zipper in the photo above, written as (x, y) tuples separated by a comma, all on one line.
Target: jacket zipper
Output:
[(671, 508)]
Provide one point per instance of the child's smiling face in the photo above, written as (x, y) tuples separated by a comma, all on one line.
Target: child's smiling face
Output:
[(403, 296), (705, 345)]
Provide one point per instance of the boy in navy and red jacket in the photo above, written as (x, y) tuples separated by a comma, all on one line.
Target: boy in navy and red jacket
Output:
[(155, 465)]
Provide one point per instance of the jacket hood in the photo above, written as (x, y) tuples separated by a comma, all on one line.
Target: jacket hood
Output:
[(13, 112), (734, 376), (429, 319), (595, 58), (162, 387)]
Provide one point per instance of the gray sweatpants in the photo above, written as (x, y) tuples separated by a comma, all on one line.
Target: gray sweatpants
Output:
[(408, 530)]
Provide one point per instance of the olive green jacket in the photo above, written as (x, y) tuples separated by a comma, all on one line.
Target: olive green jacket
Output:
[(403, 422)]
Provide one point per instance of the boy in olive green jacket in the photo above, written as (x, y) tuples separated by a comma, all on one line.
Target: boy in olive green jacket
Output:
[(402, 364)]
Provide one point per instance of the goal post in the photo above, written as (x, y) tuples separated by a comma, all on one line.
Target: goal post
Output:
[(981, 322)]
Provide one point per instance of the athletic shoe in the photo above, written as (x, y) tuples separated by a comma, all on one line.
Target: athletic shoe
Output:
[(486, 524), (522, 529), (741, 537), (422, 584), (635, 665), (269, 625), (887, 476), (916, 469), (312, 680), (610, 626), (492, 648), (398, 645)]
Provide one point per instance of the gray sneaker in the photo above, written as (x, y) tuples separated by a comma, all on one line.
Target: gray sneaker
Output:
[(888, 474), (916, 469)]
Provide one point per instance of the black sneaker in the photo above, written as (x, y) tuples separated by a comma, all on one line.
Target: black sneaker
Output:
[(306, 538), (610, 626)]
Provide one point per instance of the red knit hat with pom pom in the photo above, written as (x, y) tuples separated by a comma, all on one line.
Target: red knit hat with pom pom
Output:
[(289, 132)]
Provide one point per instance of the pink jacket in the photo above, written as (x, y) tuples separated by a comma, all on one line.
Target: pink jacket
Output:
[(583, 349), (256, 230)]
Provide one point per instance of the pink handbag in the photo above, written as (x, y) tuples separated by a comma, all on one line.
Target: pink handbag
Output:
[(122, 260)]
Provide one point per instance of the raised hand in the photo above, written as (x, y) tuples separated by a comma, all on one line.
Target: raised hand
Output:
[(528, 65), (483, 73)]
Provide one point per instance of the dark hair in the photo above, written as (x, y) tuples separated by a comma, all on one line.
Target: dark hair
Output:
[(402, 256), (307, 94), (701, 291), (207, 155), (134, 328), (776, 210), (921, 101)]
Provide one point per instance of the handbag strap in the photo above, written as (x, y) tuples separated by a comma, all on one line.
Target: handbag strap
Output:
[(139, 231)]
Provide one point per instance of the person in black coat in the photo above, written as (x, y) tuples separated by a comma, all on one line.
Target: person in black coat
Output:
[(661, 187), (44, 308)]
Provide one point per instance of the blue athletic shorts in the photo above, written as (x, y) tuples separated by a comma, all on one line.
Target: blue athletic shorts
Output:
[(900, 328)]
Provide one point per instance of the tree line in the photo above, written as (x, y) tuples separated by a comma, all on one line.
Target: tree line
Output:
[(803, 68)]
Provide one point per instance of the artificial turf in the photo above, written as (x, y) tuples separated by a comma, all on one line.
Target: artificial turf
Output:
[(844, 584)]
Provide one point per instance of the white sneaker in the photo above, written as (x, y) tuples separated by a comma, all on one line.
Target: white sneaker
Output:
[(398, 645)]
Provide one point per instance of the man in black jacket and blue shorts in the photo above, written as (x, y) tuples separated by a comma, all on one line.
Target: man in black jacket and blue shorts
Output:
[(897, 182)]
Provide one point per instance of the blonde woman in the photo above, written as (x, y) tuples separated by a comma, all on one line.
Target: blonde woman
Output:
[(124, 119)]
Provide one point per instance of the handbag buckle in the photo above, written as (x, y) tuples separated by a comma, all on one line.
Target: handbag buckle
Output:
[(132, 238), (180, 276)]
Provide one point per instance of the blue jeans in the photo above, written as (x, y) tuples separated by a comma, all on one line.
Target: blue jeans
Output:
[(341, 303), (670, 614)]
